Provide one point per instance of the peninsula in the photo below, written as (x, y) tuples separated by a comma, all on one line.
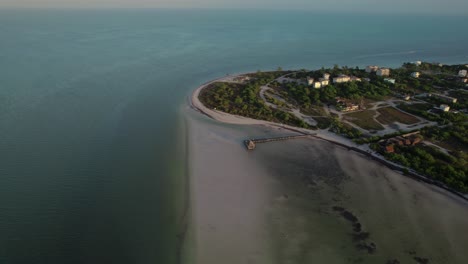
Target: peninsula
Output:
[(412, 118)]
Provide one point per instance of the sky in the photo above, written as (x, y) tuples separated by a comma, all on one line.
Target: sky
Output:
[(399, 6)]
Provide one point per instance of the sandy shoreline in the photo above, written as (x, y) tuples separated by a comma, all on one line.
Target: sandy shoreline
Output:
[(330, 137), (274, 205), (244, 210), (229, 193)]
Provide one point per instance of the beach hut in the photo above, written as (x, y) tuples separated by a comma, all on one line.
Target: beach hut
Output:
[(249, 144)]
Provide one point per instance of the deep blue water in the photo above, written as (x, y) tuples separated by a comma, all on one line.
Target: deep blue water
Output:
[(89, 111)]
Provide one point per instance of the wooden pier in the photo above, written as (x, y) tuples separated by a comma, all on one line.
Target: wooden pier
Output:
[(250, 144)]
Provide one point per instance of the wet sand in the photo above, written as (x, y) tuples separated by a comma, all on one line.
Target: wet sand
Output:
[(229, 194), (275, 204), (405, 219)]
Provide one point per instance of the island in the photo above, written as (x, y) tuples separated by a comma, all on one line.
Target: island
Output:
[(412, 119)]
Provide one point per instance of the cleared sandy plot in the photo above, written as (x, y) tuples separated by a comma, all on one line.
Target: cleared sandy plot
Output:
[(364, 119), (389, 115)]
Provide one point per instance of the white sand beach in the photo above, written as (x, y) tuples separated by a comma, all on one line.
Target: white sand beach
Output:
[(229, 194), (274, 205)]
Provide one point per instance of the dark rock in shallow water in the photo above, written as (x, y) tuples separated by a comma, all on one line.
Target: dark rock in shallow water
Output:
[(421, 260), (349, 216), (338, 209), (371, 248), (361, 236), (357, 227)]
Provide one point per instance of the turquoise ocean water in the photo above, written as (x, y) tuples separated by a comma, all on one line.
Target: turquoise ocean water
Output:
[(91, 148)]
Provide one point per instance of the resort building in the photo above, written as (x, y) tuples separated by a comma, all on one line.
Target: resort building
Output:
[(444, 107), (418, 63), (341, 79), (317, 85), (326, 76), (372, 68), (310, 81), (415, 74), (344, 105), (324, 81), (355, 79), (411, 139), (389, 148), (383, 72), (351, 107), (462, 73), (407, 97), (389, 80)]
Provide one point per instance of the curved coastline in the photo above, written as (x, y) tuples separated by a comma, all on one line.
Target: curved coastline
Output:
[(325, 135)]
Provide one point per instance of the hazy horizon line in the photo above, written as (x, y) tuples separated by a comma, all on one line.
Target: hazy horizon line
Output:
[(304, 10)]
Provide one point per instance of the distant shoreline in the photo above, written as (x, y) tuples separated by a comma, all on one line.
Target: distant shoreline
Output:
[(330, 137)]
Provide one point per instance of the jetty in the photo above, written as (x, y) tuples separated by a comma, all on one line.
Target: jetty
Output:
[(250, 144)]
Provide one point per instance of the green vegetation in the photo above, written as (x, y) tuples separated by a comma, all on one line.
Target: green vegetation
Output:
[(447, 164), (343, 129), (364, 119), (419, 110), (389, 115), (305, 96), (323, 122), (239, 99), (435, 164), (462, 97), (454, 137)]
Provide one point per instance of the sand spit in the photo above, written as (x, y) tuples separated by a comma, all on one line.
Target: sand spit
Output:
[(326, 135), (229, 193), (276, 204), (279, 203)]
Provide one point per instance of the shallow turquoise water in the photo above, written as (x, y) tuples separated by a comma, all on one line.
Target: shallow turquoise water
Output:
[(89, 111)]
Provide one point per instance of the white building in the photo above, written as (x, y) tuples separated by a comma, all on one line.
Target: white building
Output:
[(326, 76), (389, 80), (324, 81), (418, 63), (341, 79), (383, 72), (462, 73), (355, 79), (310, 81), (415, 74), (371, 68), (317, 85), (444, 107)]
